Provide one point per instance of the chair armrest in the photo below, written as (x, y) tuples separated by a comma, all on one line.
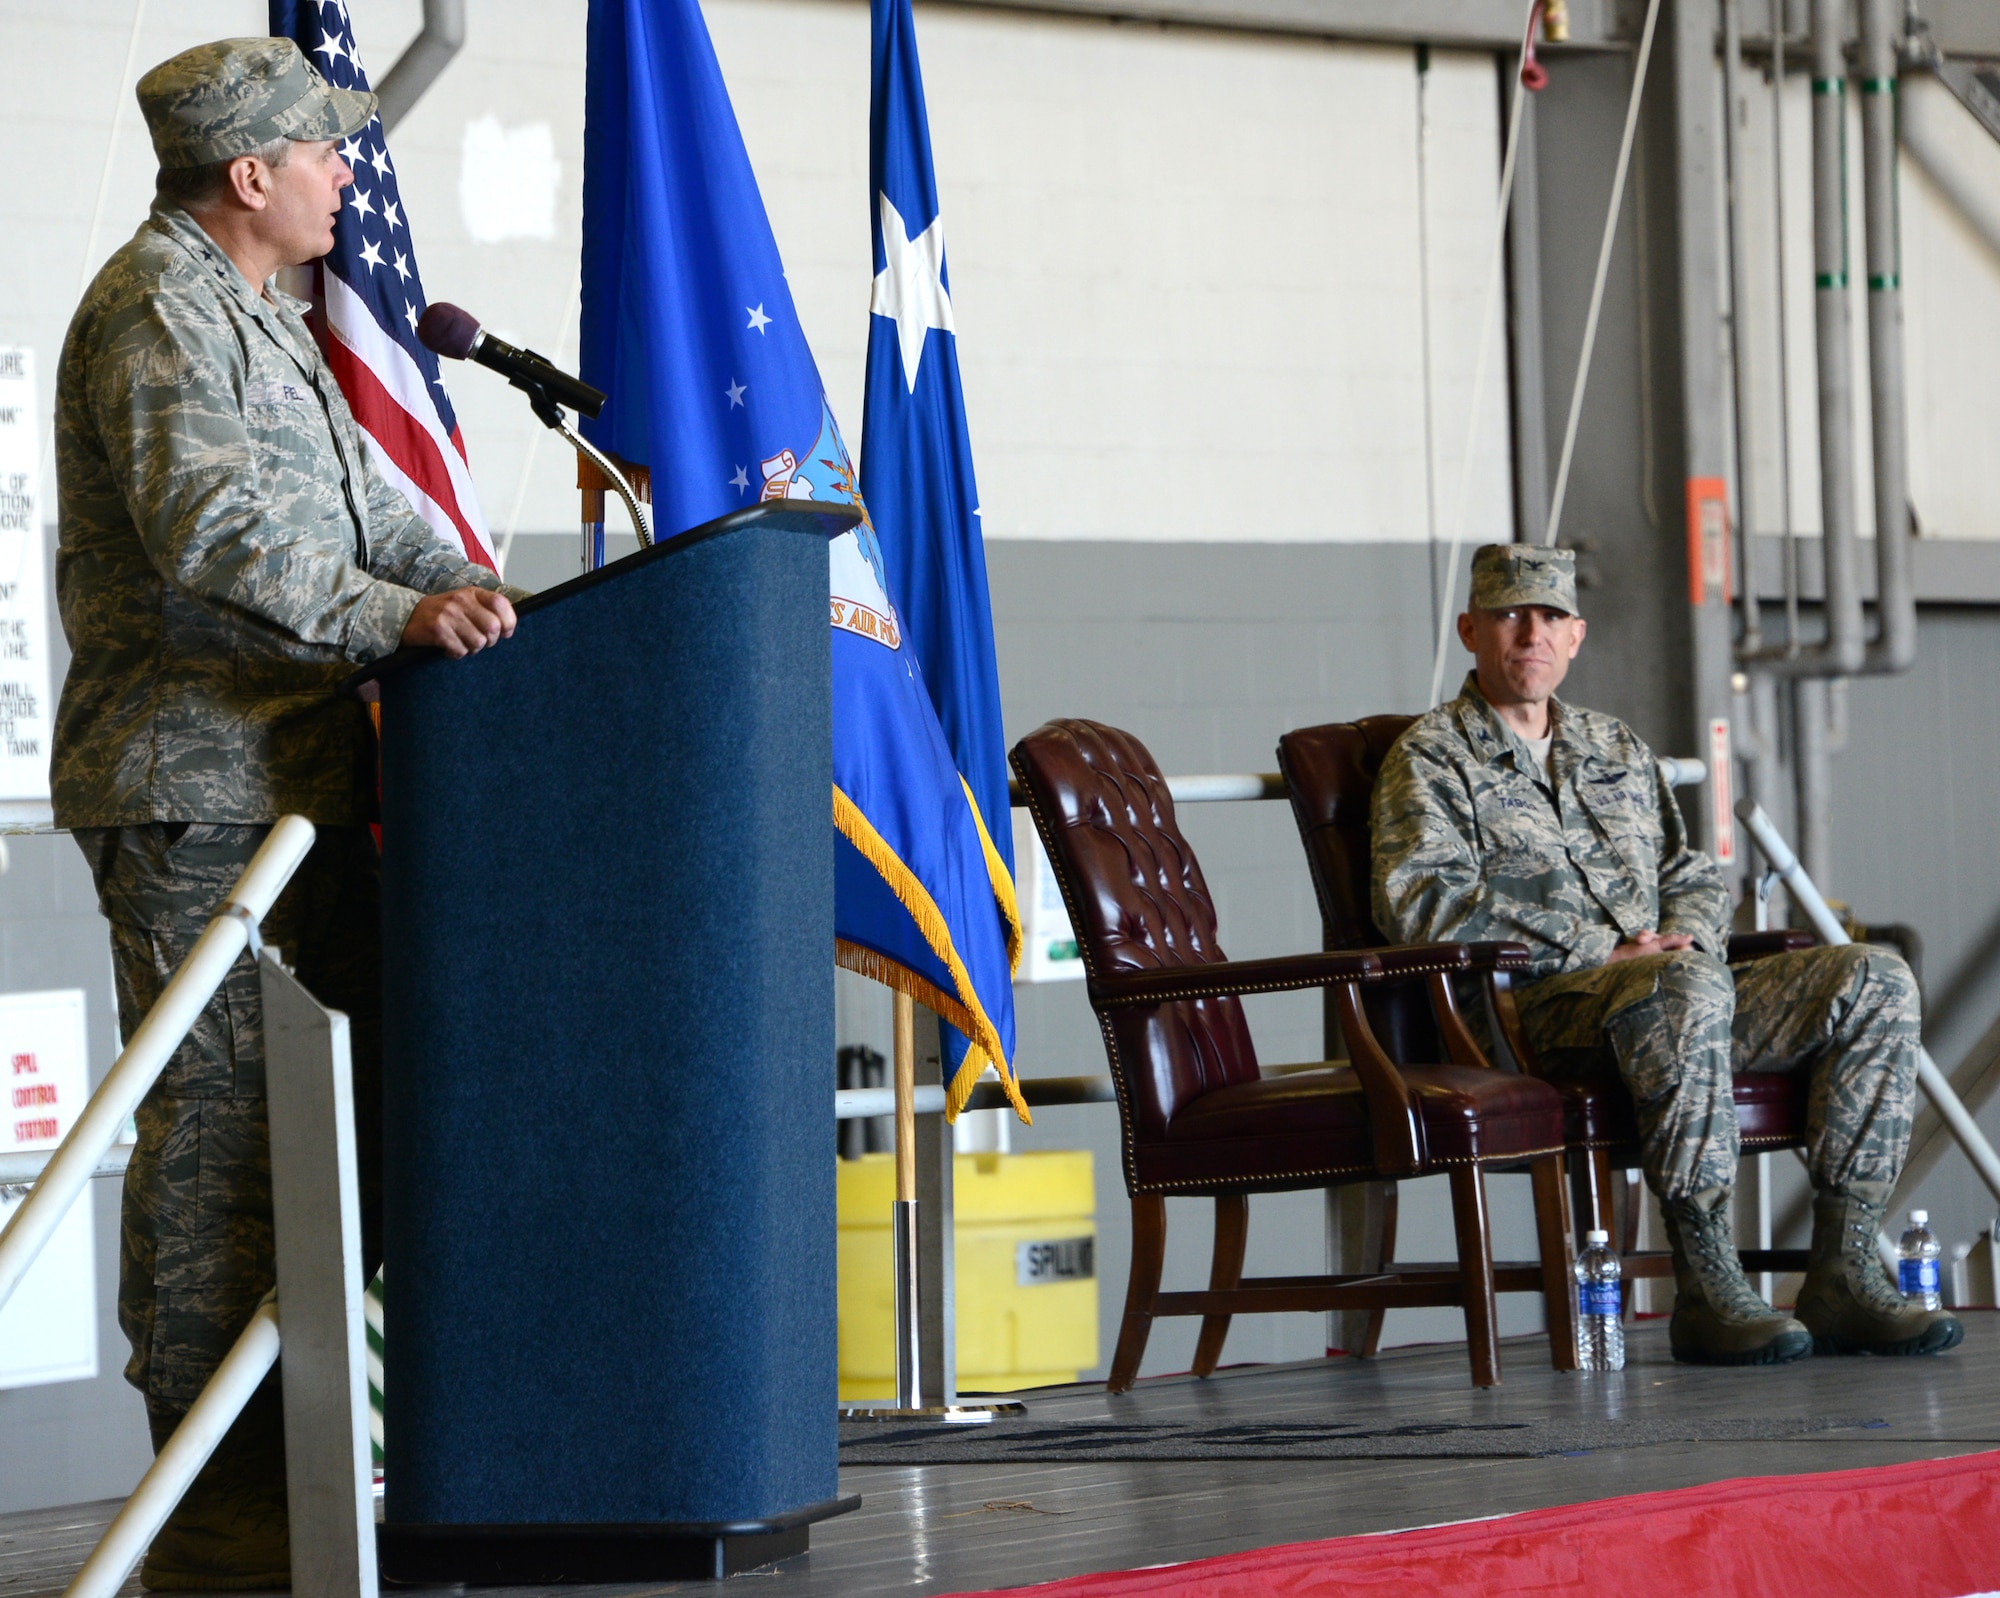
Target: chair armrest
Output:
[(1224, 978), (1756, 945), (1423, 959), (1499, 956)]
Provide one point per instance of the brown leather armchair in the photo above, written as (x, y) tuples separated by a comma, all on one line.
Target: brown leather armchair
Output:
[(1198, 1115), (1331, 773)]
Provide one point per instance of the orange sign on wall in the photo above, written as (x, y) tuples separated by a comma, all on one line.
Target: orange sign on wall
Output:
[(1709, 566)]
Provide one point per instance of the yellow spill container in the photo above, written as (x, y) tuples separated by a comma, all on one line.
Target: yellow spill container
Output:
[(1025, 1246)]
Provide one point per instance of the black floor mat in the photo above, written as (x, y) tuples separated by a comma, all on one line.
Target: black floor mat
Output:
[(1024, 1440)]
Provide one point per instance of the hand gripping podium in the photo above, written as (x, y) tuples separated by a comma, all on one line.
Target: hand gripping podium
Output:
[(607, 870)]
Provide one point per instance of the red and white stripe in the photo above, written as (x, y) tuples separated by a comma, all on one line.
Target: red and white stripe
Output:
[(392, 404)]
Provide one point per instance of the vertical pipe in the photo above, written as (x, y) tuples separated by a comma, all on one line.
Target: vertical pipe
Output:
[(1524, 316), (1846, 642), (1813, 776), (1752, 636), (1791, 526), (1896, 642)]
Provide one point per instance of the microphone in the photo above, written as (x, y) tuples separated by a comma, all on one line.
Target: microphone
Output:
[(446, 330)]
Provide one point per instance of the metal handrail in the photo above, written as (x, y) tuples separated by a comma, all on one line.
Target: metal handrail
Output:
[(1806, 895), (102, 1124), (1679, 771)]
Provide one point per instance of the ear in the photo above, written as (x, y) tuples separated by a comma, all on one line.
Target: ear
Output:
[(249, 183), (1577, 631), (1465, 636)]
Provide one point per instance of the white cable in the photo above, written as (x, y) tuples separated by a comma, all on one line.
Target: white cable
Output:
[(1603, 268), (1486, 319), (534, 443)]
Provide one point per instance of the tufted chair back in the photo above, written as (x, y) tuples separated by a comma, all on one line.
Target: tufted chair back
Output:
[(1331, 772), (1138, 902)]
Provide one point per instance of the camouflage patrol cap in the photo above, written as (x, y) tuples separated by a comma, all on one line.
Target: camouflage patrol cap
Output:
[(1506, 575), (222, 100)]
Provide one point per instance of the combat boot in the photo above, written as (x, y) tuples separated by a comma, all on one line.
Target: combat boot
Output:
[(1718, 1317), (234, 1539), (231, 1531), (1848, 1301)]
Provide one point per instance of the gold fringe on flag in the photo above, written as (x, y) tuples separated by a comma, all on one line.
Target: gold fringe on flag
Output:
[(1003, 883), (962, 1010)]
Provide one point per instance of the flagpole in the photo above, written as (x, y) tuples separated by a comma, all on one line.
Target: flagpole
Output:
[(905, 1266), (909, 1344)]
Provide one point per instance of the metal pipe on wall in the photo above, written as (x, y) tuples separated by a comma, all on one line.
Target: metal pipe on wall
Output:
[(427, 55), (1895, 645), (1751, 638), (1813, 775), (1845, 649)]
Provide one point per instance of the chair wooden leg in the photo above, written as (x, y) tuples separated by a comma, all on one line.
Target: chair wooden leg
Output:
[(1232, 1229), (1558, 1266), (1149, 1253), (1371, 1344), (1475, 1271)]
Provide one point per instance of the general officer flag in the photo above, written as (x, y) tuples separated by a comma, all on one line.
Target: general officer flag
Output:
[(689, 328), (916, 452)]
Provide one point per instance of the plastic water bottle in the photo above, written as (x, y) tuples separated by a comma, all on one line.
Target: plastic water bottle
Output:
[(1600, 1327), (1917, 1262)]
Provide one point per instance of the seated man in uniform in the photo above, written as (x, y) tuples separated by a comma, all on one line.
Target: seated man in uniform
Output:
[(1507, 814)]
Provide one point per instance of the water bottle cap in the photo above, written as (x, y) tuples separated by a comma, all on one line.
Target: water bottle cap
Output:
[(1592, 1239), (1920, 1217)]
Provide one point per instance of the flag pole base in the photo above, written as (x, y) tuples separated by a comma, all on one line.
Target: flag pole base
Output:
[(941, 1414)]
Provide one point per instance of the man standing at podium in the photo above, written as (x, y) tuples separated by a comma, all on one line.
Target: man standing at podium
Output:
[(227, 554)]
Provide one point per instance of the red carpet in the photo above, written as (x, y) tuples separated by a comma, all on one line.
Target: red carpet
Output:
[(1927, 1530)]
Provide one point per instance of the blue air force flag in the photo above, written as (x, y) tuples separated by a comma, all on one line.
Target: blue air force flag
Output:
[(689, 327), (916, 452)]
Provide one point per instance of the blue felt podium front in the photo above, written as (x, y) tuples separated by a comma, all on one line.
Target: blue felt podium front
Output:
[(608, 1027)]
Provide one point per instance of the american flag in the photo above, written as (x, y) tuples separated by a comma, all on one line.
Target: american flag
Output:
[(367, 297)]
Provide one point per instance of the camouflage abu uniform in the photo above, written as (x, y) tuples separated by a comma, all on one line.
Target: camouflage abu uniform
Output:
[(1475, 840), (228, 553)]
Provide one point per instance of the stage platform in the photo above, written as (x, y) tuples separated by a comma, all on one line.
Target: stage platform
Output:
[(944, 1528)]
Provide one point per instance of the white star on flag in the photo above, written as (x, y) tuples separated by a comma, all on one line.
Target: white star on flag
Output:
[(410, 315), (358, 199), (371, 257), (380, 161), (735, 391), (391, 214), (332, 49), (909, 289), (758, 320), (350, 150), (402, 267), (741, 480)]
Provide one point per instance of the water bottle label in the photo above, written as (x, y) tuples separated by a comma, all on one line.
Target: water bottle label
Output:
[(1597, 1298), (1917, 1277)]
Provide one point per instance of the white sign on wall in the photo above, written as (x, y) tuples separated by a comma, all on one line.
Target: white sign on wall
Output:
[(48, 1329), (1051, 954), (24, 618)]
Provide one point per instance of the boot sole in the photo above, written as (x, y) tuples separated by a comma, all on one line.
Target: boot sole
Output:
[(1948, 1335), (1784, 1350)]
